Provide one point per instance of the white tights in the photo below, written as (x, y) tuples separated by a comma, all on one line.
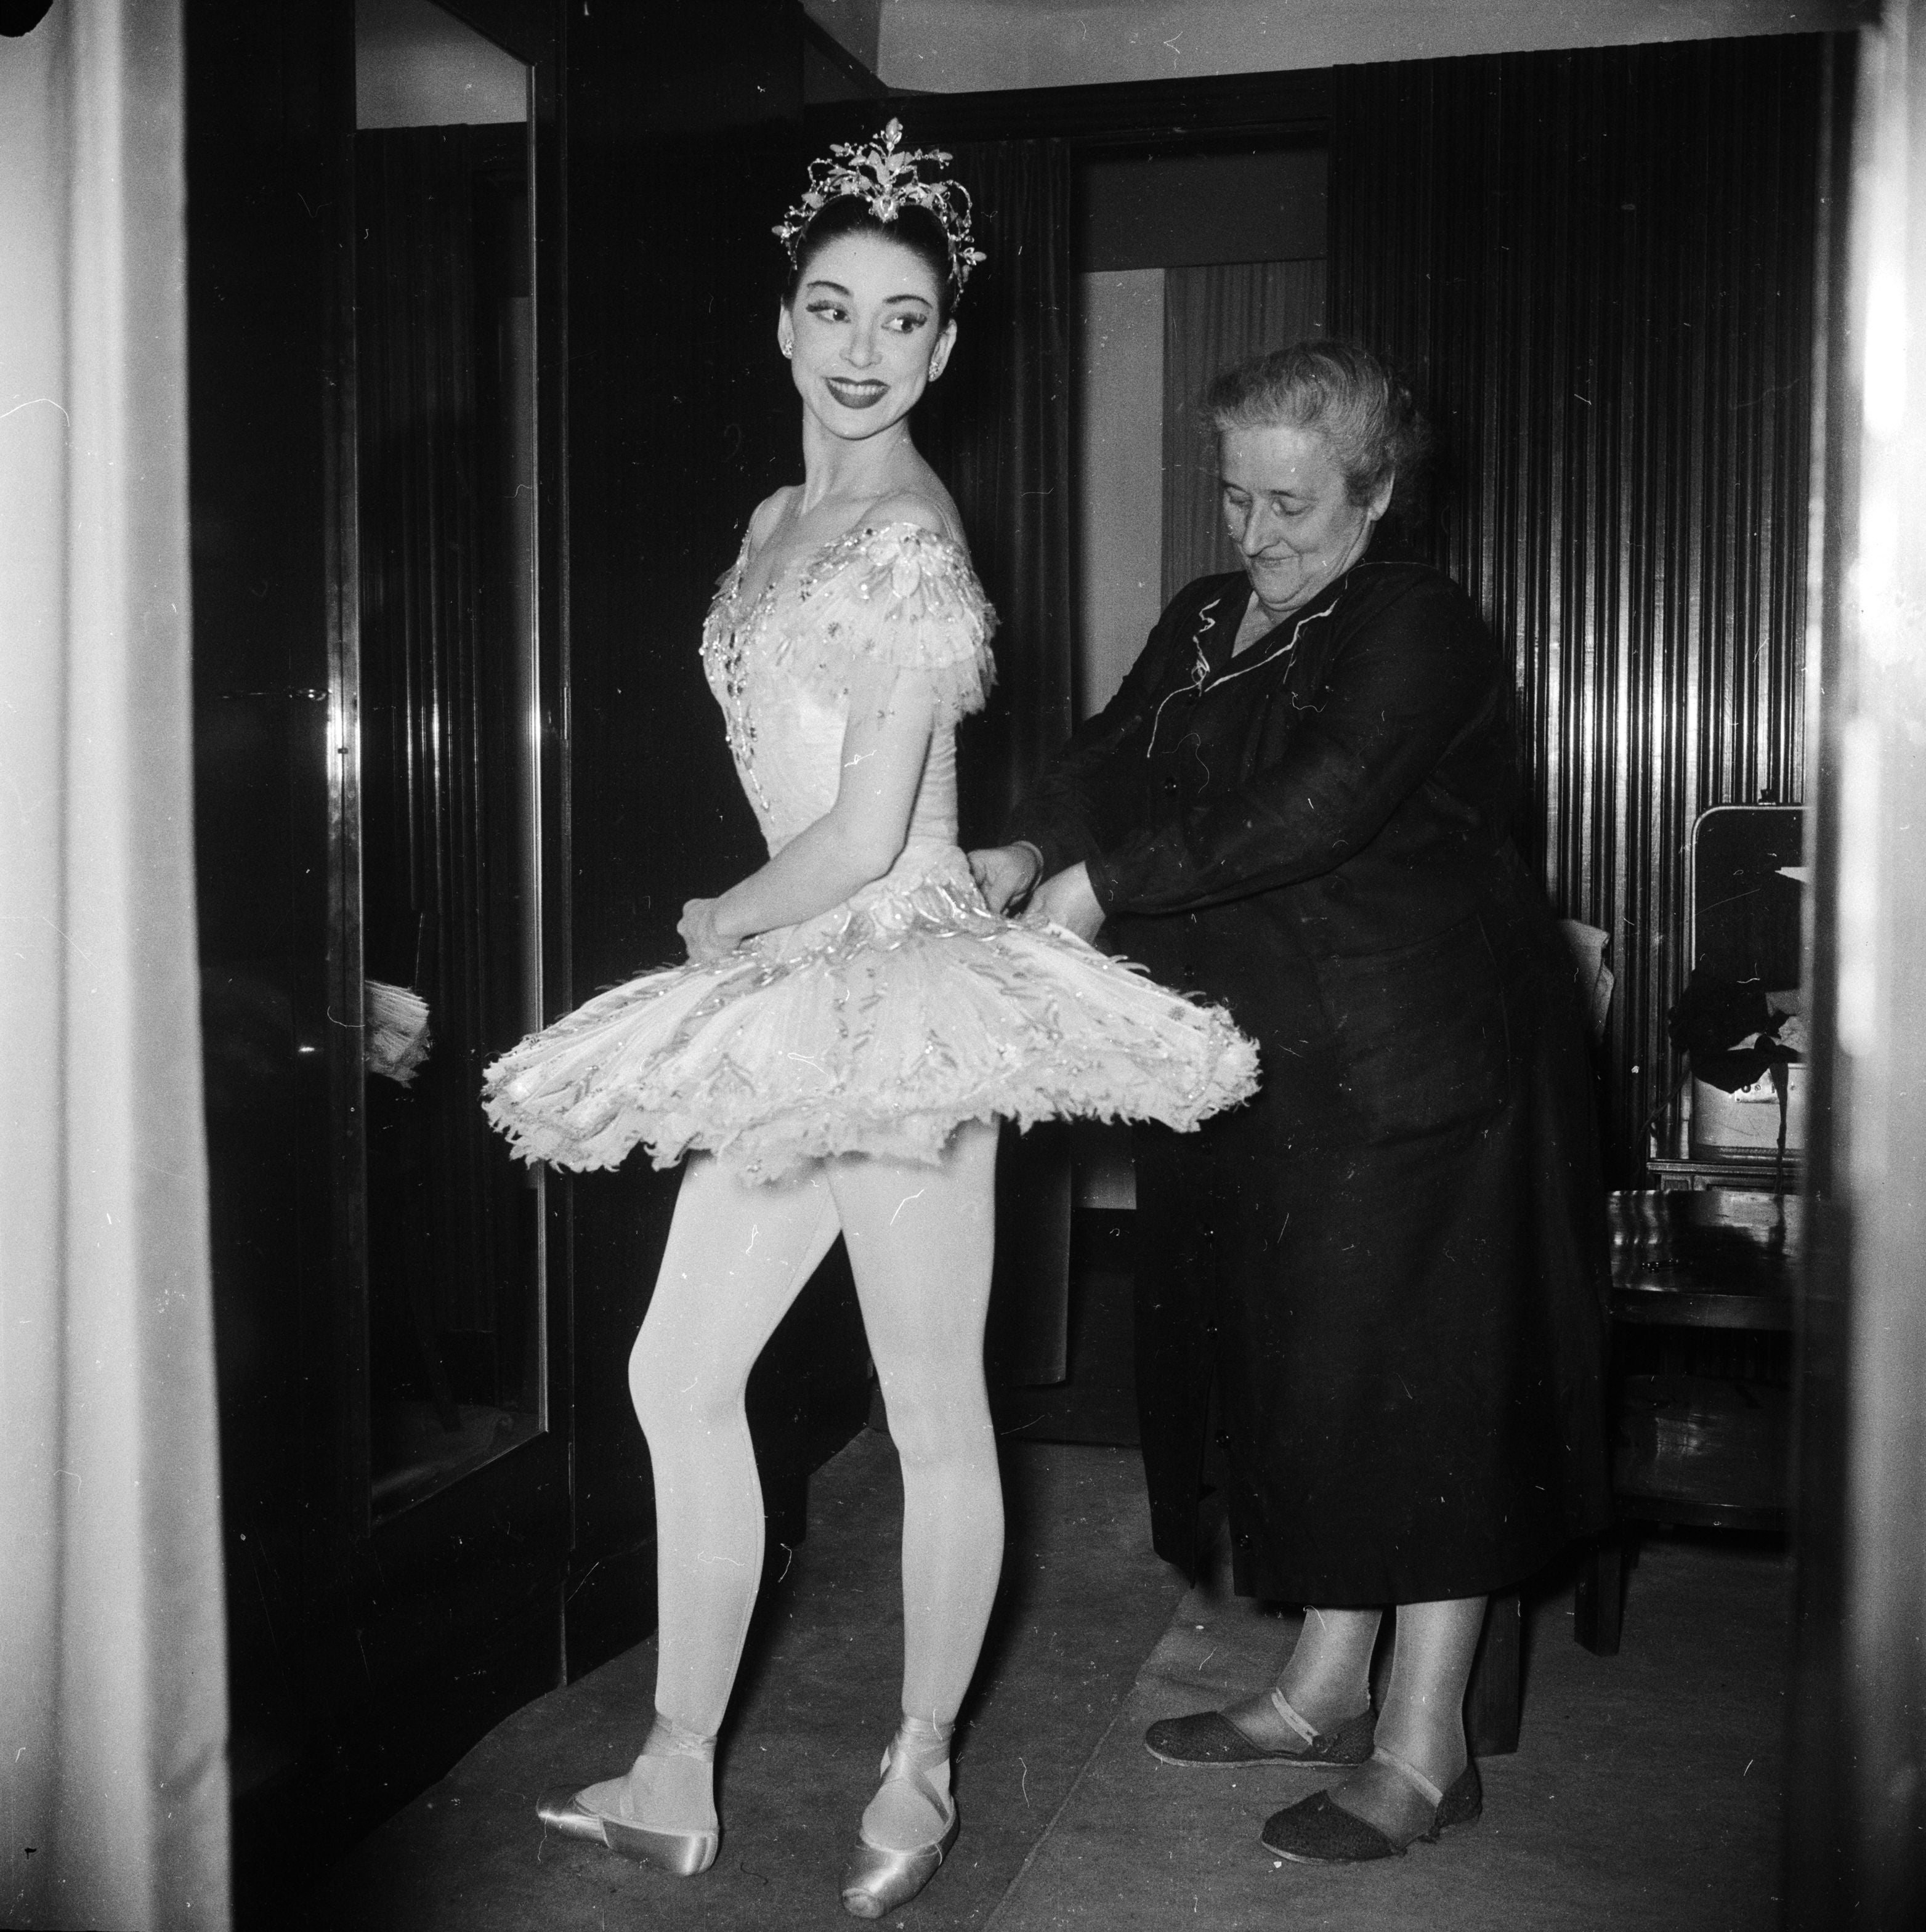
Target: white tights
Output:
[(920, 1241)]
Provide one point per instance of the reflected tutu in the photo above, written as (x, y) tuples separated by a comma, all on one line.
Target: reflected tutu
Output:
[(878, 1028)]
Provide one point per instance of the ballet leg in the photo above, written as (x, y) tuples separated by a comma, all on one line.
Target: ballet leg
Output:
[(737, 1258), (921, 1241), (913, 1803)]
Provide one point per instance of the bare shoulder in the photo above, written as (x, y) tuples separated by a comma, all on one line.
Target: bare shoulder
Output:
[(768, 513)]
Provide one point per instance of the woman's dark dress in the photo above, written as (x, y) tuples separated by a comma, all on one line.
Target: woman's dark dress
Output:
[(1392, 1262)]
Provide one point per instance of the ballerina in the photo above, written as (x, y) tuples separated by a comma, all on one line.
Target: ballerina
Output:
[(850, 1026)]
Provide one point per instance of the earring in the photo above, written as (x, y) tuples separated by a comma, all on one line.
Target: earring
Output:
[(788, 350)]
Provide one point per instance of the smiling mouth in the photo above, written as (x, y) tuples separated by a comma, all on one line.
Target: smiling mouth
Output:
[(856, 395)]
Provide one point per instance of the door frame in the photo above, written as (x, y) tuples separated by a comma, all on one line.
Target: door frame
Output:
[(458, 1596)]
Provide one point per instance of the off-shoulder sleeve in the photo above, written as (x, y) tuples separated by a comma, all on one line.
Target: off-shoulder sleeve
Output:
[(902, 596)]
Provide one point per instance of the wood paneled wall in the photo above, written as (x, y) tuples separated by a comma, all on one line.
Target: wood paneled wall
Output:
[(1597, 268)]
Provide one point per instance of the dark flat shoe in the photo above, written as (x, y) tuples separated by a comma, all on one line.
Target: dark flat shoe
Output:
[(1209, 1738), (1315, 1832)]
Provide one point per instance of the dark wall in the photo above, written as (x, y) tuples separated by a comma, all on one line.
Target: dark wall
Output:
[(259, 188), (1598, 268), (362, 1658), (1173, 210)]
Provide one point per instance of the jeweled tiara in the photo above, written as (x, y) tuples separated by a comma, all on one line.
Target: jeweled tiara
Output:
[(885, 176)]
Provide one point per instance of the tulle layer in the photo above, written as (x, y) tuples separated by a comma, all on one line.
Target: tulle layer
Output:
[(876, 1029)]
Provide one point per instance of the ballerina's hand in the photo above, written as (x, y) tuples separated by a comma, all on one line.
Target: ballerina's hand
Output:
[(697, 928), (1004, 874), (1067, 899)]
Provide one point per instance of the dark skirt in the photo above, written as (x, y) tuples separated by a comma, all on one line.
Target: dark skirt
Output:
[(1386, 1281)]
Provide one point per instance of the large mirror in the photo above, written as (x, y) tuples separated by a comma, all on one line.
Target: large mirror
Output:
[(449, 835)]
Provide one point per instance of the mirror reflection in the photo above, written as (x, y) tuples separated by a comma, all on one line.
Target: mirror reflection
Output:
[(450, 910)]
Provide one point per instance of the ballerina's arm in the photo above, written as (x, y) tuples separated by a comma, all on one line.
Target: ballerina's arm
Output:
[(892, 714)]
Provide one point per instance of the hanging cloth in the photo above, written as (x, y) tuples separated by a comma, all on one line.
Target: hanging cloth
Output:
[(113, 1778)]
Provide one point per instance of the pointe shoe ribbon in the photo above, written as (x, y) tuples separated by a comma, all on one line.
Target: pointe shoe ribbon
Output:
[(878, 1878)]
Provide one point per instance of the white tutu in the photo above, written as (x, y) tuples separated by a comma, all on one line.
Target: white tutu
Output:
[(877, 1028), (881, 1026)]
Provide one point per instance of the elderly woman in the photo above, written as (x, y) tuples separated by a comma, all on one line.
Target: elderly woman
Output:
[(1386, 1269)]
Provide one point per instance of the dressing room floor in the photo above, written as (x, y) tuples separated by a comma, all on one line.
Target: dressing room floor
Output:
[(1645, 1793)]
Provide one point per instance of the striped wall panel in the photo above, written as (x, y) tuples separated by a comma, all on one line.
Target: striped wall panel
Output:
[(1597, 269)]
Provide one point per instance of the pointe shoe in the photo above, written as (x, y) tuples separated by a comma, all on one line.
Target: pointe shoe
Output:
[(878, 1880), (682, 1854), (1315, 1831)]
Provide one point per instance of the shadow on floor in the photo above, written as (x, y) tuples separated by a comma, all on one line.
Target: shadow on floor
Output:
[(1084, 1602)]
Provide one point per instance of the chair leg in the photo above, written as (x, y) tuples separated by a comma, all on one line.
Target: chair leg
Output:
[(1598, 1607), (1491, 1700)]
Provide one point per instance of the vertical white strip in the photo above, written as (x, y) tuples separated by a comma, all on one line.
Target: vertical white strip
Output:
[(1119, 429), (1119, 530), (1859, 852)]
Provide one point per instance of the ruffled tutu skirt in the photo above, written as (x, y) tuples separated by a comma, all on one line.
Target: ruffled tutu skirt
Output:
[(877, 1028)]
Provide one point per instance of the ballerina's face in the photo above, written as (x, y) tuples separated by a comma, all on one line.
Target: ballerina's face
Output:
[(1289, 513), (864, 334)]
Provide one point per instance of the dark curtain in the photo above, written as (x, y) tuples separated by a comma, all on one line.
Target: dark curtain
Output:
[(1598, 268), (997, 429), (1215, 317)]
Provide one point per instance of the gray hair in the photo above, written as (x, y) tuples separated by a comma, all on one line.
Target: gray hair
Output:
[(1362, 409)]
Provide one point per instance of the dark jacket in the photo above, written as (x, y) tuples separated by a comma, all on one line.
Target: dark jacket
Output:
[(1388, 1262), (1285, 832), (1354, 767)]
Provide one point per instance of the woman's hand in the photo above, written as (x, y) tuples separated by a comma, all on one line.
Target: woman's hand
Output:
[(1004, 874), (697, 928), (1067, 899)]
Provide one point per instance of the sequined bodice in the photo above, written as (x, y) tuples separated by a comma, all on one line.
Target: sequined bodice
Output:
[(779, 666)]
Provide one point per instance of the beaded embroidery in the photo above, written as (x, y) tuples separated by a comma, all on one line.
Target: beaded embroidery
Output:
[(726, 639), (887, 178), (881, 1024), (917, 573)]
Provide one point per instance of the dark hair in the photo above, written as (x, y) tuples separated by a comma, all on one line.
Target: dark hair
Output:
[(914, 228), (1361, 406)]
